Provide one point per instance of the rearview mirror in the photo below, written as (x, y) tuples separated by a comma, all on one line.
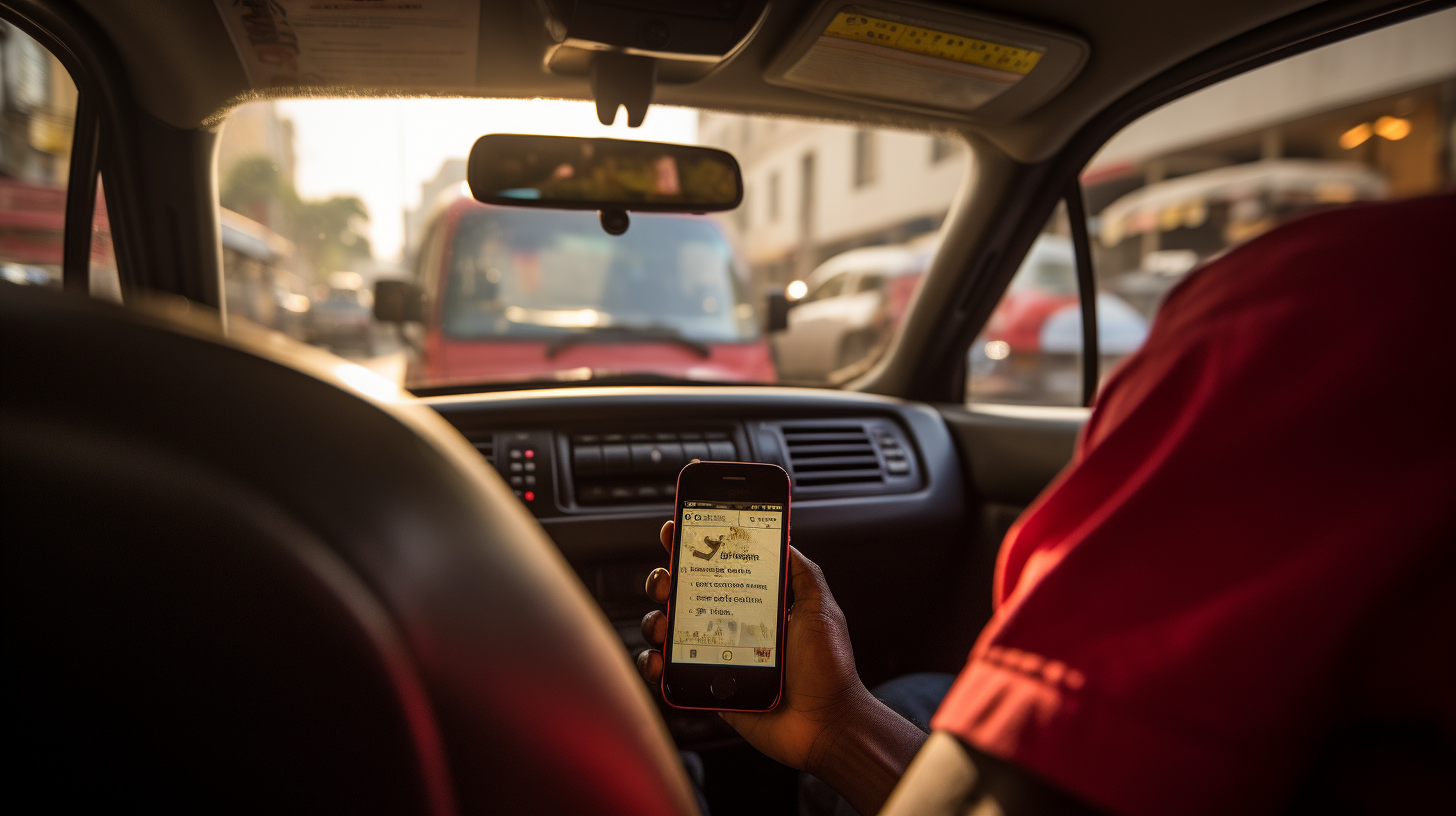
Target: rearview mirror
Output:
[(397, 301), (569, 173)]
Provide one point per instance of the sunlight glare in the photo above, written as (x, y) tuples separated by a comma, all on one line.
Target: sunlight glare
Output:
[(382, 150)]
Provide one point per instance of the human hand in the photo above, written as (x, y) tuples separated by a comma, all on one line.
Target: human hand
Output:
[(822, 691)]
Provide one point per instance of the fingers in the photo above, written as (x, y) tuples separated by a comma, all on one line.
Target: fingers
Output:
[(659, 585), (659, 581), (654, 623), (649, 665), (654, 628)]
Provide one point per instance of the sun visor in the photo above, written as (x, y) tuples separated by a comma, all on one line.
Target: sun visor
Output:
[(930, 59)]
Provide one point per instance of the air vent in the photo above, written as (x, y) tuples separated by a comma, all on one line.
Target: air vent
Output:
[(642, 467), (485, 443), (825, 454)]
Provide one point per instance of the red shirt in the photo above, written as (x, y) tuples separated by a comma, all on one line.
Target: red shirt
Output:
[(1188, 609)]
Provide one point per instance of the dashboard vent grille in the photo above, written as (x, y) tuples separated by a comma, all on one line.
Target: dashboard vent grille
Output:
[(831, 454), (485, 443)]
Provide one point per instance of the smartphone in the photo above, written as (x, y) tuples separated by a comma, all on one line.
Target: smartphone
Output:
[(730, 582)]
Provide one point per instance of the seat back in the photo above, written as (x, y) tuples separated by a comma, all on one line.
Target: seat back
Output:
[(235, 583)]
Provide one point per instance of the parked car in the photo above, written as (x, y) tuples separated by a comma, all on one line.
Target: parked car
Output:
[(1031, 344), (1031, 347), (517, 294), (854, 302), (343, 320)]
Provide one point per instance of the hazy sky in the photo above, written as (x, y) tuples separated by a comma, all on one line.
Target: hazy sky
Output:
[(383, 149)]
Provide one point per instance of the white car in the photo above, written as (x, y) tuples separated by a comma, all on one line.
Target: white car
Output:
[(847, 309)]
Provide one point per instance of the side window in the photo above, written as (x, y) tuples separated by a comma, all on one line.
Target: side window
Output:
[(1030, 350), (37, 127), (105, 280), (870, 282), (1370, 118)]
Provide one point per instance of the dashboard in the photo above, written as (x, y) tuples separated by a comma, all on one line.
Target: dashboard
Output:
[(593, 464), (878, 492)]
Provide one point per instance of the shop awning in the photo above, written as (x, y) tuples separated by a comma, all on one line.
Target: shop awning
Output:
[(250, 238), (31, 206), (1184, 201)]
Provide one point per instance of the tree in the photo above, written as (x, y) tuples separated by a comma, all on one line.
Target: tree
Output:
[(253, 186), (328, 233)]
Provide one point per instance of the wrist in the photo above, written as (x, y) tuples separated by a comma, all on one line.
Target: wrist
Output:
[(855, 718), (863, 753)]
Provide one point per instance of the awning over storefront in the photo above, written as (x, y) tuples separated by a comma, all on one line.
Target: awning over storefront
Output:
[(1184, 201), (31, 206), (250, 238)]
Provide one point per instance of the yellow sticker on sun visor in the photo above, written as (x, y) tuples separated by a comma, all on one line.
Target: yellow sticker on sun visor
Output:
[(913, 39)]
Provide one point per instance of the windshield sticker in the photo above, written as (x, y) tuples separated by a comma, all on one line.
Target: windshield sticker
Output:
[(385, 44), (864, 55), (931, 43)]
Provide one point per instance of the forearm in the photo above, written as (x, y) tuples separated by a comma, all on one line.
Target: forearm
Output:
[(864, 754)]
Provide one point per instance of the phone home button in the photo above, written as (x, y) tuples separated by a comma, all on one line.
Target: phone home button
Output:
[(723, 687)]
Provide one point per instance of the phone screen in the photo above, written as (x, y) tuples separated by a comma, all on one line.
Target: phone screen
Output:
[(728, 584)]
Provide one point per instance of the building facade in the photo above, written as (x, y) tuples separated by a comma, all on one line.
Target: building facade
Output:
[(814, 190), (451, 174), (258, 129)]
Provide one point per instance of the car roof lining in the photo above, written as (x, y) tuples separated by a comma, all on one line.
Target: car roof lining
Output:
[(185, 71)]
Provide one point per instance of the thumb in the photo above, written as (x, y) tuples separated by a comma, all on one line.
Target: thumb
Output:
[(807, 579)]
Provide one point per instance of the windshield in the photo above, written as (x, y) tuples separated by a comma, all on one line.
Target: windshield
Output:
[(323, 198), (545, 274)]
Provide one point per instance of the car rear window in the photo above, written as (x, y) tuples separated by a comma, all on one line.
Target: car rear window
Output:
[(543, 273)]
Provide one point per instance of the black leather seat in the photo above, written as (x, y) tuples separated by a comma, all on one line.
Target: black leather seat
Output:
[(237, 584)]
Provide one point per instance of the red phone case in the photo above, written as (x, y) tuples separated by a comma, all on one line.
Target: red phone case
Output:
[(783, 609)]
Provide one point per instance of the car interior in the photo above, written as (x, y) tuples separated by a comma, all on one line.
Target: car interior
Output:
[(244, 574)]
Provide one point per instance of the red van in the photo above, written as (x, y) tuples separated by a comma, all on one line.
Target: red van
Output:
[(527, 294)]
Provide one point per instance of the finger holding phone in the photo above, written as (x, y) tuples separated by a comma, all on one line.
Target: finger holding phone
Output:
[(823, 720)]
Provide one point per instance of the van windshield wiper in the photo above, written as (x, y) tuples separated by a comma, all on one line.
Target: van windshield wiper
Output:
[(627, 334)]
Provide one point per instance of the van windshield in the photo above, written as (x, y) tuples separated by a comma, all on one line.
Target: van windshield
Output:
[(542, 274)]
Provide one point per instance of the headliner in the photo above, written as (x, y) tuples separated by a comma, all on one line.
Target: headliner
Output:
[(184, 70)]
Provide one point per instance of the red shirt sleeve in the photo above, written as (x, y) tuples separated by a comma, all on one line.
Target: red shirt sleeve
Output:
[(1176, 612)]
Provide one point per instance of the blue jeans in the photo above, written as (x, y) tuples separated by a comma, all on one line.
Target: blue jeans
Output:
[(914, 697)]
